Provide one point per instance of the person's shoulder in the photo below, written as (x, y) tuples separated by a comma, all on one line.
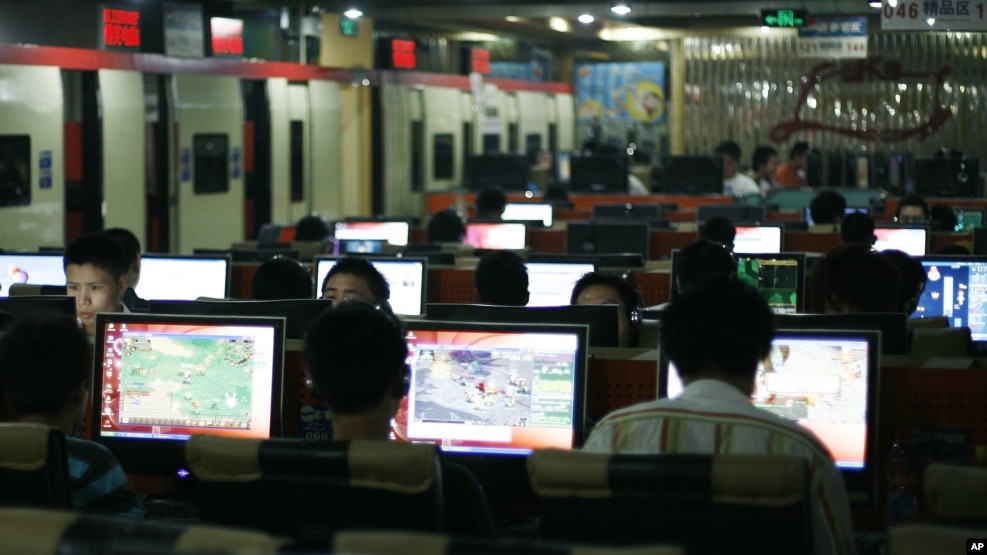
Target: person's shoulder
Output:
[(84, 448)]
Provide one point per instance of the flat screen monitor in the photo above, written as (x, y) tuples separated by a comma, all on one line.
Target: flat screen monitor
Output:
[(395, 233), (601, 318), (779, 278), (827, 381), (159, 379), (528, 212), (692, 175), (259, 255), (752, 239), (551, 283), (912, 240), (406, 278), (563, 167), (176, 277), (608, 236), (736, 213), (948, 176), (14, 308), (807, 214), (508, 172), (967, 219), (30, 267), (956, 287), (358, 246), (612, 260), (628, 210), (893, 326), (299, 314), (599, 173), (498, 389), (495, 236)]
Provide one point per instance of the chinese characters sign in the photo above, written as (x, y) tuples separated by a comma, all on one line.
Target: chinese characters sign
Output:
[(934, 15), (121, 28), (227, 36), (834, 37)]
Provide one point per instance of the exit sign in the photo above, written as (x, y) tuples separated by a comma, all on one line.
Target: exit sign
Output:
[(784, 18)]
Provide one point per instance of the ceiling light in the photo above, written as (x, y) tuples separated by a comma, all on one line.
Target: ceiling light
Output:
[(620, 8), (559, 24), (353, 13), (512, 18), (876, 4), (586, 19)]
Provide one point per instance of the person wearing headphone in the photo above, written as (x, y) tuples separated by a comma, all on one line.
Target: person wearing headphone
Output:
[(601, 288)]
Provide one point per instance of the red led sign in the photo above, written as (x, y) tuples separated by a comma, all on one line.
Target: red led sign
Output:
[(227, 36), (480, 61), (403, 54), (121, 28)]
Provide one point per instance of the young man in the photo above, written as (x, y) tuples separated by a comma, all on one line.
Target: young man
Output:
[(764, 162), (132, 248), (96, 275), (791, 174), (912, 209), (600, 288), (735, 183), (281, 278), (355, 277), (716, 334), (501, 278), (45, 369)]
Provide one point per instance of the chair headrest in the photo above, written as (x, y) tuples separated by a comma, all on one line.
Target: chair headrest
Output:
[(25, 446), (956, 491)]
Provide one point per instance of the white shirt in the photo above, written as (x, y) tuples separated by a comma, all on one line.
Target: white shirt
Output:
[(740, 186), (713, 417)]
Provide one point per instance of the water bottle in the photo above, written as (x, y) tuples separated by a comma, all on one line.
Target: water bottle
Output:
[(902, 482)]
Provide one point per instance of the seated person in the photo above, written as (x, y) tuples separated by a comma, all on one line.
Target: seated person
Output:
[(912, 209), (132, 248), (827, 207), (355, 277), (858, 228), (791, 174), (735, 183), (719, 229), (716, 335), (853, 278), (943, 218), (311, 228), (490, 204), (913, 278), (700, 260), (764, 162), (446, 226), (356, 358), (45, 371), (600, 288), (501, 278), (281, 278), (96, 275)]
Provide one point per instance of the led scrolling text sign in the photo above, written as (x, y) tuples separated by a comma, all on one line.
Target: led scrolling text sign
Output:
[(121, 28)]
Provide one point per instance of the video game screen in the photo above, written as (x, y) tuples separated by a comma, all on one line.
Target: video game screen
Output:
[(395, 233), (528, 212), (183, 278), (495, 236), (956, 287), (912, 240), (33, 268), (405, 277), (779, 279), (967, 219), (170, 377), (551, 283), (494, 388), (757, 239), (823, 381)]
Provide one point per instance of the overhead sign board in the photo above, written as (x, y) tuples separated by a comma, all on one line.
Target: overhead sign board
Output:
[(784, 18), (834, 37), (943, 15)]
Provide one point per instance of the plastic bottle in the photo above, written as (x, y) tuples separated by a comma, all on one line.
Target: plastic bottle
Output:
[(902, 482)]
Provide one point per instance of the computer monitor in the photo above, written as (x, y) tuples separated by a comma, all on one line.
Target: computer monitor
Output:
[(807, 213), (178, 277), (551, 283), (159, 379), (601, 318), (406, 278), (299, 314), (779, 278), (948, 176), (497, 389), (563, 167), (395, 233), (258, 255), (599, 173), (736, 213), (494, 236), (913, 240), (892, 326), (15, 308), (827, 381), (528, 212), (967, 219), (956, 288), (608, 236), (692, 175), (752, 239), (30, 267), (358, 246), (628, 210), (604, 260), (508, 172)]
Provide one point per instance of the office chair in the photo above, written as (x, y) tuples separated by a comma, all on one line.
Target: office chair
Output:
[(705, 503), (418, 543), (34, 468), (309, 490), (42, 532)]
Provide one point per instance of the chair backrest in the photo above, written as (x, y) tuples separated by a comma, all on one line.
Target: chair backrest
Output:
[(382, 542), (309, 490), (706, 503), (34, 468), (924, 539), (34, 289), (925, 323), (956, 492), (941, 342), (41, 532)]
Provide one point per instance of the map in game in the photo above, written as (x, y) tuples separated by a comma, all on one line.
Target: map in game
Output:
[(181, 380)]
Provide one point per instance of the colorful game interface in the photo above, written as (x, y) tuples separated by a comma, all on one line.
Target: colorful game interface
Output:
[(956, 289), (495, 236), (756, 239), (777, 279), (910, 240)]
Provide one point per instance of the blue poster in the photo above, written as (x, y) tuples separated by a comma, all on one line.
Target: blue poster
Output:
[(621, 92)]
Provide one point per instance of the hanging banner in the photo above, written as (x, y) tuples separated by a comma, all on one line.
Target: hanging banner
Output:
[(958, 15), (834, 38), (621, 92)]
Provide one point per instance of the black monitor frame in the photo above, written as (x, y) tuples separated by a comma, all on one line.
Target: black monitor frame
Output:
[(632, 211), (600, 318), (797, 258), (299, 314), (375, 260), (608, 236), (15, 308), (608, 260), (599, 173), (736, 213), (948, 176), (185, 258), (507, 172), (979, 343), (692, 175), (8, 269), (774, 225)]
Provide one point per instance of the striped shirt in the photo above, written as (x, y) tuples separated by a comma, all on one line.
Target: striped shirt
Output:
[(713, 417), (97, 481)]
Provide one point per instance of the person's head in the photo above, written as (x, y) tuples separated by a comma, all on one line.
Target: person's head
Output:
[(798, 155), (700, 260), (311, 228), (96, 275), (501, 278), (490, 203), (853, 278), (132, 248), (45, 368), (356, 359), (764, 162), (857, 228), (719, 229), (913, 278), (943, 217), (730, 152), (912, 209), (603, 288), (827, 207), (721, 329), (355, 277), (282, 278), (446, 226)]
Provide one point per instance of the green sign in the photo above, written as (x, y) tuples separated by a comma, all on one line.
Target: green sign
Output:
[(783, 18), (347, 27)]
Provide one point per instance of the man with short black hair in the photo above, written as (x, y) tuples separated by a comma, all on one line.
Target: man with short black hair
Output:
[(501, 278), (791, 174), (96, 275), (735, 183), (858, 228), (355, 277), (912, 209), (764, 163), (603, 288), (281, 278), (827, 207), (132, 248)]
